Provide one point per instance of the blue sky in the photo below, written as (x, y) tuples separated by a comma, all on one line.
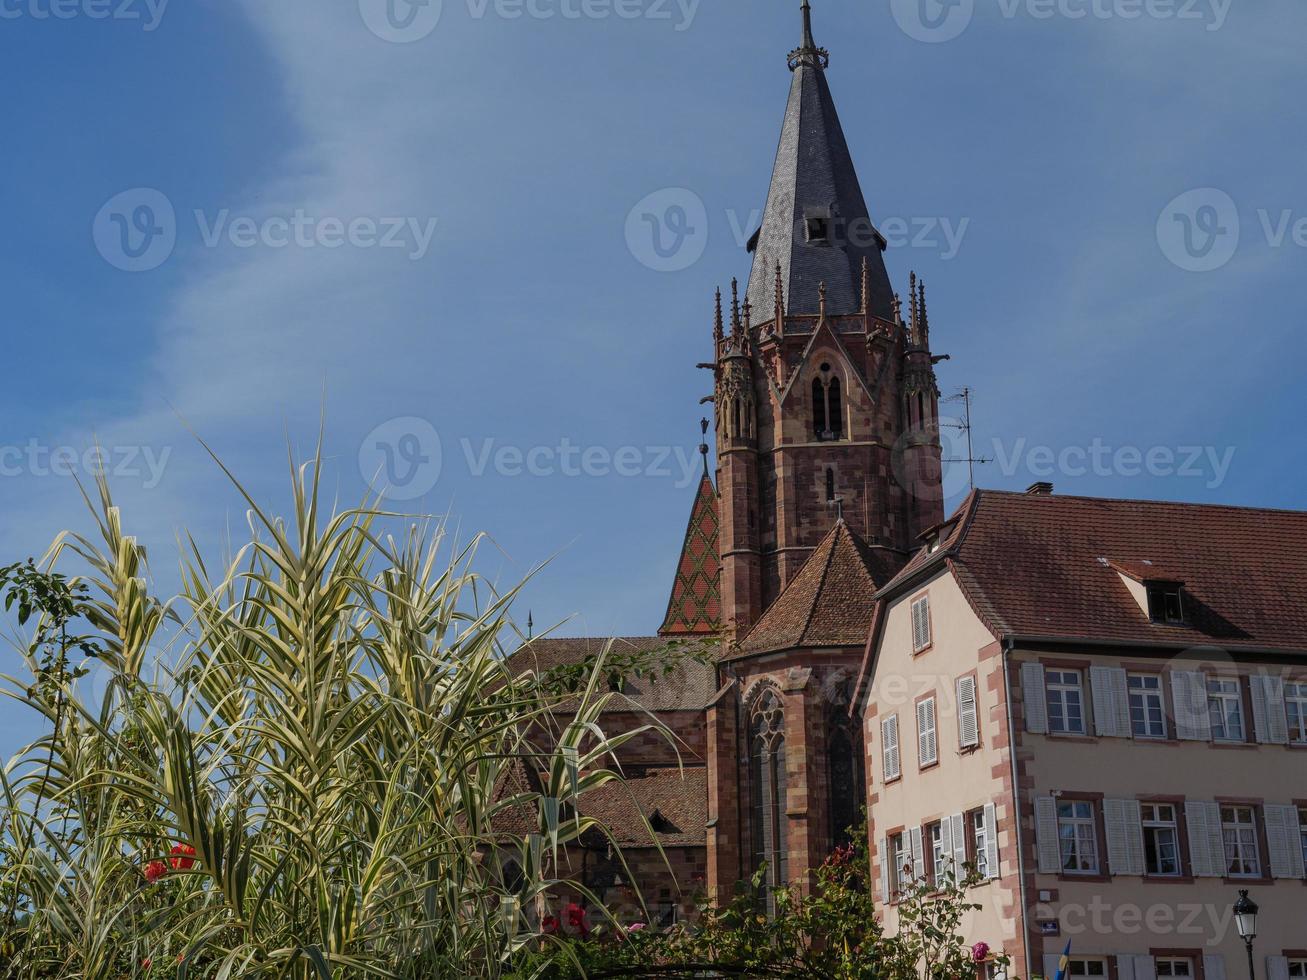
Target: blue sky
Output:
[(502, 149)]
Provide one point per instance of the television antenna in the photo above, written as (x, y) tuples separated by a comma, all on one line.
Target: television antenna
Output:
[(964, 426)]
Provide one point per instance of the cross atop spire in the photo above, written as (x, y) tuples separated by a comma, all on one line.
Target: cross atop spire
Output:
[(808, 53)]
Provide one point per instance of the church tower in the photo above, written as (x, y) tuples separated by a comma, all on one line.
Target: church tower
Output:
[(828, 471), (826, 400)]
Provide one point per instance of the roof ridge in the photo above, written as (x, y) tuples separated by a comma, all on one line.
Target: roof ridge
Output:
[(1214, 505)]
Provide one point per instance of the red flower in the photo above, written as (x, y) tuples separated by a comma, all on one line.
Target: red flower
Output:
[(154, 871), (980, 952), (183, 857), (576, 920), (147, 963), (549, 925)]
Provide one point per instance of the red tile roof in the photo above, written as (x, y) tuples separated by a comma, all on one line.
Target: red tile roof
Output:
[(1041, 566), (688, 688), (695, 606), (829, 603)]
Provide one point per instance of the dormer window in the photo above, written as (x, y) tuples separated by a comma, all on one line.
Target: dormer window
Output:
[(818, 227), (1158, 591), (1165, 602)]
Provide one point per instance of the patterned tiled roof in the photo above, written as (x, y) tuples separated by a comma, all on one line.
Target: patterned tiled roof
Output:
[(830, 602), (688, 688), (695, 606), (1042, 566), (675, 802), (814, 175)]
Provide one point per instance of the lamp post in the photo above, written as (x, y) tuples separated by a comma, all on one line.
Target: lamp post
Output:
[(1245, 920)]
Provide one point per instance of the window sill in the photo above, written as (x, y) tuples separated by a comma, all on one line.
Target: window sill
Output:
[(1237, 746), (1096, 878), (1249, 880), (1168, 880), (1073, 739), (929, 766)]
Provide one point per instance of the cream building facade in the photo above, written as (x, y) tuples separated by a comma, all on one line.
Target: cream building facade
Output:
[(1102, 706)]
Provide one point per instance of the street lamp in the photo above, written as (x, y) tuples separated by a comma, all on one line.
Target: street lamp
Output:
[(1245, 920)]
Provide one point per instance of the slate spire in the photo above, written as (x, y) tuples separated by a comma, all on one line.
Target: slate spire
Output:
[(816, 224)]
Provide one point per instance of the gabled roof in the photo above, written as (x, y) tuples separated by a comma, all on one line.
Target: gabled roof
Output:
[(814, 170), (688, 688), (695, 606), (830, 602), (1043, 567)]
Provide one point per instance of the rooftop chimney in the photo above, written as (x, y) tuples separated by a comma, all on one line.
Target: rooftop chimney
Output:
[(1040, 490)]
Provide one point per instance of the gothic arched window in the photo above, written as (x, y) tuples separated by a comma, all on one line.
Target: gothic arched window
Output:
[(835, 409), (830, 485), (846, 786), (819, 408), (767, 792)]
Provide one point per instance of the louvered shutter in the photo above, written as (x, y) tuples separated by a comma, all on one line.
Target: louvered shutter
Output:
[(959, 822), (1125, 967), (1125, 836), (921, 624), (918, 854), (1270, 723), (1036, 700), (1283, 838), (1277, 968), (968, 714), (991, 839), (1214, 967), (1046, 832), (1145, 968), (1108, 702), (1206, 843), (886, 858), (927, 735), (1189, 693), (946, 869), (890, 757)]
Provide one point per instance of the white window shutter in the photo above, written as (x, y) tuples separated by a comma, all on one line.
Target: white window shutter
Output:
[(1046, 832), (1125, 967), (968, 714), (1270, 723), (890, 756), (1277, 968), (1145, 968), (959, 822), (886, 858), (1125, 836), (1105, 716), (1206, 842), (1036, 700), (1283, 837), (1121, 702), (991, 840), (1214, 967), (918, 854), (1193, 723), (927, 733), (946, 850)]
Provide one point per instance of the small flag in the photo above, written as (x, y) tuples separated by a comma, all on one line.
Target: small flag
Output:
[(1064, 964)]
